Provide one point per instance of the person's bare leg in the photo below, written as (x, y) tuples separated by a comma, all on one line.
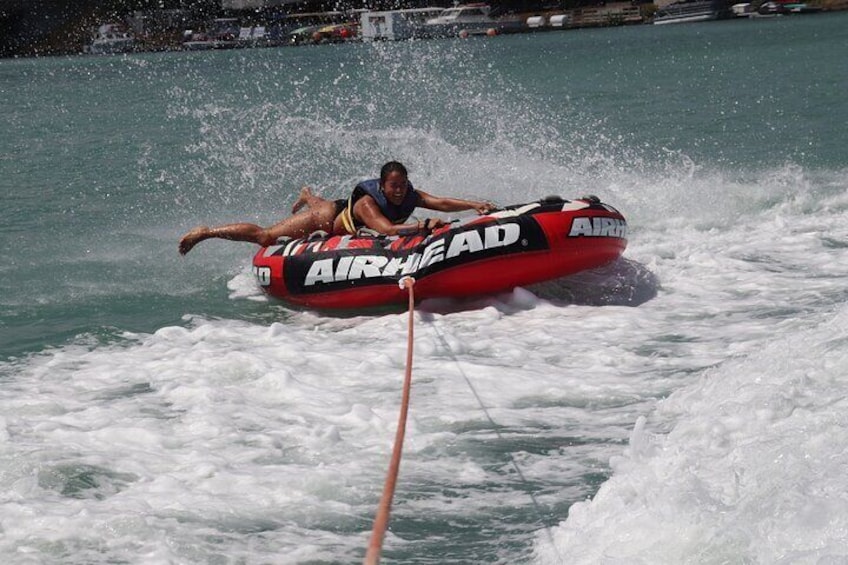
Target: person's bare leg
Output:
[(302, 198), (320, 216), (192, 238), (235, 232), (306, 198)]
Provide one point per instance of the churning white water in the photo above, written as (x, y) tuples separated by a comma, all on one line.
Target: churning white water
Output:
[(685, 404)]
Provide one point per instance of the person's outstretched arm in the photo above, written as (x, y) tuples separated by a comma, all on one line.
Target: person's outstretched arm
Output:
[(446, 204)]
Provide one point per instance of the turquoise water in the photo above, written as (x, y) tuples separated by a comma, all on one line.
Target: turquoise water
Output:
[(157, 409)]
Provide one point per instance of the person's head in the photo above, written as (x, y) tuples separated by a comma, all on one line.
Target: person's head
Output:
[(394, 182)]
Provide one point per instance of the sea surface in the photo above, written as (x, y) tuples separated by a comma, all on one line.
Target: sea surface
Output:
[(686, 404)]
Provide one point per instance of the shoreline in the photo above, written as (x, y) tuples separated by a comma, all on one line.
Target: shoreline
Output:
[(73, 37)]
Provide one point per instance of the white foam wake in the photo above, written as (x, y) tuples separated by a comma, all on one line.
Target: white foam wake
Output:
[(753, 470)]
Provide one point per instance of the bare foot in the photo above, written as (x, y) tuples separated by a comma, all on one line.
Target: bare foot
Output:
[(302, 199), (192, 238)]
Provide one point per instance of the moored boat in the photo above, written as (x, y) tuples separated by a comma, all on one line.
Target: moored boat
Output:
[(468, 19), (784, 8), (515, 246), (223, 34), (111, 39), (687, 11)]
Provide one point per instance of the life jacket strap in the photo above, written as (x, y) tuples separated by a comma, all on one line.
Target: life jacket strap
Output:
[(347, 217)]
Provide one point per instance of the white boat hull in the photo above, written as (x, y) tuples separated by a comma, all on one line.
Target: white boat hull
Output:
[(686, 19)]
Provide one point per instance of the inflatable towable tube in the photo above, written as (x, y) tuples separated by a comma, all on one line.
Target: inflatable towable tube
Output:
[(518, 245)]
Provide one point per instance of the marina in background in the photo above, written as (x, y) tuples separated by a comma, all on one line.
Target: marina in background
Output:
[(252, 24), (458, 21)]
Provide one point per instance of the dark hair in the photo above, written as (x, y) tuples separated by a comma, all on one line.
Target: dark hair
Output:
[(392, 167)]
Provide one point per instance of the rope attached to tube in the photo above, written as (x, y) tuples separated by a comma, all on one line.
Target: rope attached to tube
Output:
[(381, 520)]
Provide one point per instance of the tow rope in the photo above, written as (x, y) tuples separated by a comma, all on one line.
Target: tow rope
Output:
[(496, 429), (381, 520)]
